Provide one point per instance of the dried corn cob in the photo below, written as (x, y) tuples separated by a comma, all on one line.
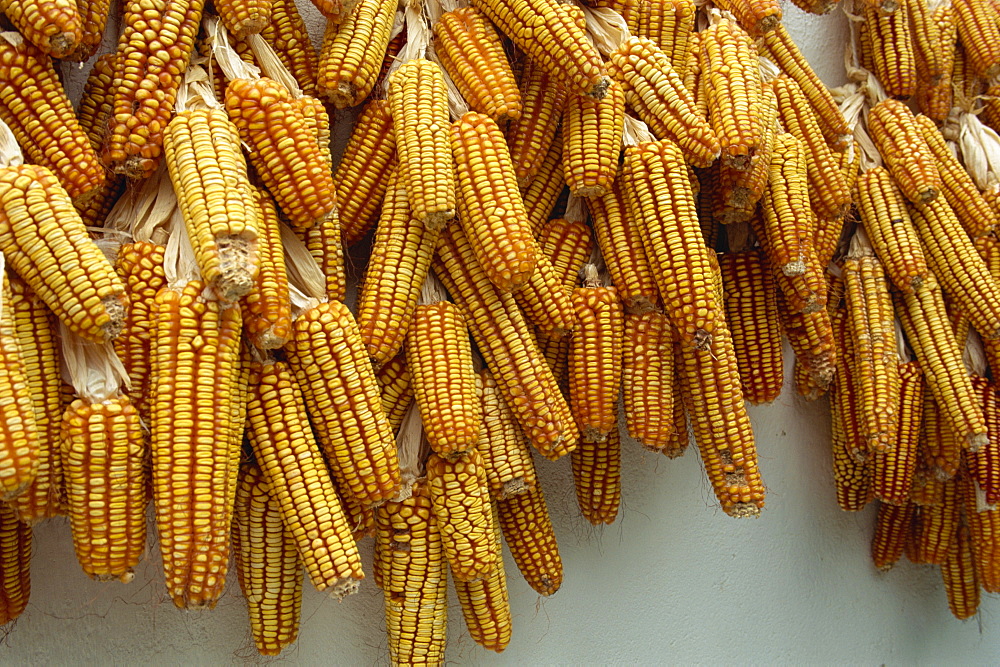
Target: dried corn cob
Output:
[(545, 299), (757, 17), (893, 470), (935, 527), (552, 38), (668, 23), (268, 565), (941, 447), (485, 604), (283, 150), (287, 35), (19, 443), (655, 91), (397, 389), (958, 571), (530, 136), (622, 248), (196, 442), (94, 110), (362, 177), (648, 380), (491, 210), (335, 11), (202, 151), (783, 228), (267, 309), (503, 338), (752, 315), (460, 501), (659, 198), (592, 138), (104, 457), (44, 231), (567, 245), (331, 365), (906, 154), (597, 477), (352, 53), (979, 33), (54, 26), (741, 190), (15, 563), (541, 194), (299, 483), (506, 457), (527, 530), (323, 242), (891, 529), (414, 579), (892, 48), (243, 17)]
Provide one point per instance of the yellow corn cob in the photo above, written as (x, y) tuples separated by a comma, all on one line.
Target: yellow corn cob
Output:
[(202, 151), (733, 91), (362, 177), (472, 54), (146, 84), (783, 227), (15, 563), (597, 477), (893, 470), (399, 263), (335, 11), (852, 471), (680, 439), (502, 445), (545, 299), (439, 357), (659, 198), (531, 136), (891, 528), (19, 441), (738, 192), (331, 365), (752, 315), (267, 309), (975, 214), (623, 251), (935, 527), (828, 191), (414, 579), (567, 245), (503, 338), (891, 231), (966, 82), (779, 47), (692, 74), (104, 475), (983, 465), (592, 139), (38, 349), (351, 56), (541, 194), (811, 338), (300, 486), (44, 231), (94, 110), (961, 271), (552, 38), (491, 210), (892, 48), (668, 23), (757, 17), (196, 442), (941, 447), (418, 102), (595, 359), (648, 380), (485, 604), (318, 122), (979, 32), (283, 150), (556, 354), (54, 26), (958, 571), (460, 500), (287, 35), (243, 17), (906, 154), (323, 241), (267, 563), (397, 389), (527, 530), (655, 91), (876, 370), (990, 115), (983, 530), (934, 34)]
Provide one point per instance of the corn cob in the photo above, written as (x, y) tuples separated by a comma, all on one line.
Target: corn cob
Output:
[(852, 469), (287, 35), (934, 34), (552, 38), (941, 447), (751, 313), (243, 18), (44, 230), (979, 33), (331, 365), (738, 191), (502, 445), (595, 358), (757, 17), (935, 527), (592, 138), (503, 338), (335, 11), (983, 526), (597, 477), (893, 470), (531, 135), (567, 245), (267, 308), (472, 54), (904, 150), (54, 26), (891, 231), (668, 23), (990, 114), (362, 177), (202, 151), (324, 244), (397, 389), (680, 439), (541, 194), (655, 91), (299, 483), (491, 212), (94, 110), (545, 299), (352, 53), (268, 565), (779, 46), (975, 214), (892, 48), (485, 604), (414, 579), (648, 380), (37, 347), (659, 198), (103, 458), (733, 91), (958, 572), (783, 227), (19, 442), (891, 528), (15, 563), (984, 465), (283, 150), (527, 530)]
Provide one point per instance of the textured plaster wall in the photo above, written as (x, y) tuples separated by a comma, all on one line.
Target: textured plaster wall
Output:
[(674, 580)]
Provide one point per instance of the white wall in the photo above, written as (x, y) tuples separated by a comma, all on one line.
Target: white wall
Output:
[(673, 580)]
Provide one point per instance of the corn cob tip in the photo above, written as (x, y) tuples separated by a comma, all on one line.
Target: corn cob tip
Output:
[(116, 312), (513, 487), (744, 511), (344, 587), (600, 89), (976, 441)]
